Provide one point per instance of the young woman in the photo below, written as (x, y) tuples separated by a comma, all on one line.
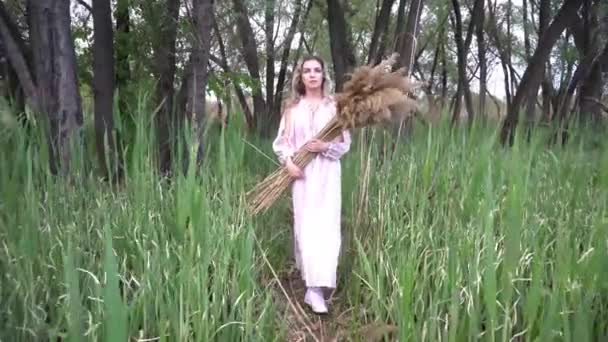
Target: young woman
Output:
[(316, 189)]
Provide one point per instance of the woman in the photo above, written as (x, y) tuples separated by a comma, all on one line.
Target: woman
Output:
[(316, 189)]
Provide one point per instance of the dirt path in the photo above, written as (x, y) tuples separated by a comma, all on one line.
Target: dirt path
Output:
[(302, 323)]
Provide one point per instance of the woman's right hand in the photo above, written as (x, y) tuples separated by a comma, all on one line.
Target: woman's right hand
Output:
[(293, 170)]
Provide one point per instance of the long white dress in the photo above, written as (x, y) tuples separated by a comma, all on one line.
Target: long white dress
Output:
[(316, 197)]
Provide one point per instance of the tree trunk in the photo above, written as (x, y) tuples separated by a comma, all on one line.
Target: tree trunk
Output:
[(510, 44), (604, 61), (462, 48), (526, 30), (103, 86), (476, 15), (17, 58), (544, 14), (431, 81), (399, 26), (278, 99), (122, 41), (566, 72), (406, 45), (55, 66), (203, 17), (342, 51), (533, 96), (16, 33), (410, 33), (582, 72), (483, 66), (566, 14), (458, 96), (444, 76), (223, 63), (70, 118), (270, 61), (250, 55), (165, 65), (380, 31), (122, 78), (40, 32), (13, 91), (591, 88), (502, 54), (182, 101), (591, 93)]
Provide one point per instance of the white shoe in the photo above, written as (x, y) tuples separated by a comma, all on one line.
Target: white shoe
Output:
[(314, 298)]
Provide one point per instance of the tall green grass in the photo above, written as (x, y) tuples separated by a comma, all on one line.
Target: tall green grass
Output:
[(453, 239), (464, 240), (152, 260)]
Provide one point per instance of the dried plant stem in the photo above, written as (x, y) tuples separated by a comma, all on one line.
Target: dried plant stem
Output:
[(270, 189), (372, 95)]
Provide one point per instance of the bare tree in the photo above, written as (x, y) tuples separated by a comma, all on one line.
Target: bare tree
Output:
[(122, 42), (103, 86), (203, 18), (340, 42), (269, 22), (564, 17), (591, 86), (223, 63), (15, 50), (481, 55), (295, 22), (376, 48), (407, 47), (165, 66), (462, 47), (250, 54), (544, 15)]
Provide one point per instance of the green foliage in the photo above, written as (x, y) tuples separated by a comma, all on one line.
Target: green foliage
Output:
[(82, 33), (142, 261), (454, 239), (497, 242)]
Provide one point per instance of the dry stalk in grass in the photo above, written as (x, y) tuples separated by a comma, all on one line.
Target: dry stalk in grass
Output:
[(373, 95)]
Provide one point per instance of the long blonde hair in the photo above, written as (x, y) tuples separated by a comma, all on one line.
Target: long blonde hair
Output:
[(297, 90)]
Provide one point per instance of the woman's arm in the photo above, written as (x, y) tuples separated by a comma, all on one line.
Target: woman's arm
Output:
[(337, 148), (283, 145)]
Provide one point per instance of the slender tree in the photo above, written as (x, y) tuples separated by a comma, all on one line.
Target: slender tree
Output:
[(103, 87), (566, 15)]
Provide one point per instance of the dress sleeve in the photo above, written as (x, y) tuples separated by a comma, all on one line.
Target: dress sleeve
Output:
[(283, 145), (339, 146)]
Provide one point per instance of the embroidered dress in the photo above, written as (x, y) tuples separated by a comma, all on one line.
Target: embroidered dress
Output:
[(316, 197)]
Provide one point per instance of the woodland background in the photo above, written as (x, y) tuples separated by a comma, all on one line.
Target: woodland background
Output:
[(130, 130)]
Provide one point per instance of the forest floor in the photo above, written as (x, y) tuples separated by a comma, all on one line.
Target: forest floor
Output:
[(303, 325), (301, 322)]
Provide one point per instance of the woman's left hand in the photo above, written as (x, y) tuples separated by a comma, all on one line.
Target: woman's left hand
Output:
[(316, 146)]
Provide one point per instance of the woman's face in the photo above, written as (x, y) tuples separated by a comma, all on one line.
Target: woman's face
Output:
[(312, 75)]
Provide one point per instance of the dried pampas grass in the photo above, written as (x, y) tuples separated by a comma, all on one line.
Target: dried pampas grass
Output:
[(373, 95)]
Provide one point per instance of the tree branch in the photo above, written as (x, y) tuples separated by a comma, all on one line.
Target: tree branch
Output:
[(597, 102), (13, 46), (85, 5)]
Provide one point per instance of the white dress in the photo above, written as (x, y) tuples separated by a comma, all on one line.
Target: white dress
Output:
[(316, 197)]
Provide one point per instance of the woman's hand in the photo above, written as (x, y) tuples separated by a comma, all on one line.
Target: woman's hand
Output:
[(293, 170), (316, 146)]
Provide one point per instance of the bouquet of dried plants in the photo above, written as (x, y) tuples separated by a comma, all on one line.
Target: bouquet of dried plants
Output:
[(373, 95)]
